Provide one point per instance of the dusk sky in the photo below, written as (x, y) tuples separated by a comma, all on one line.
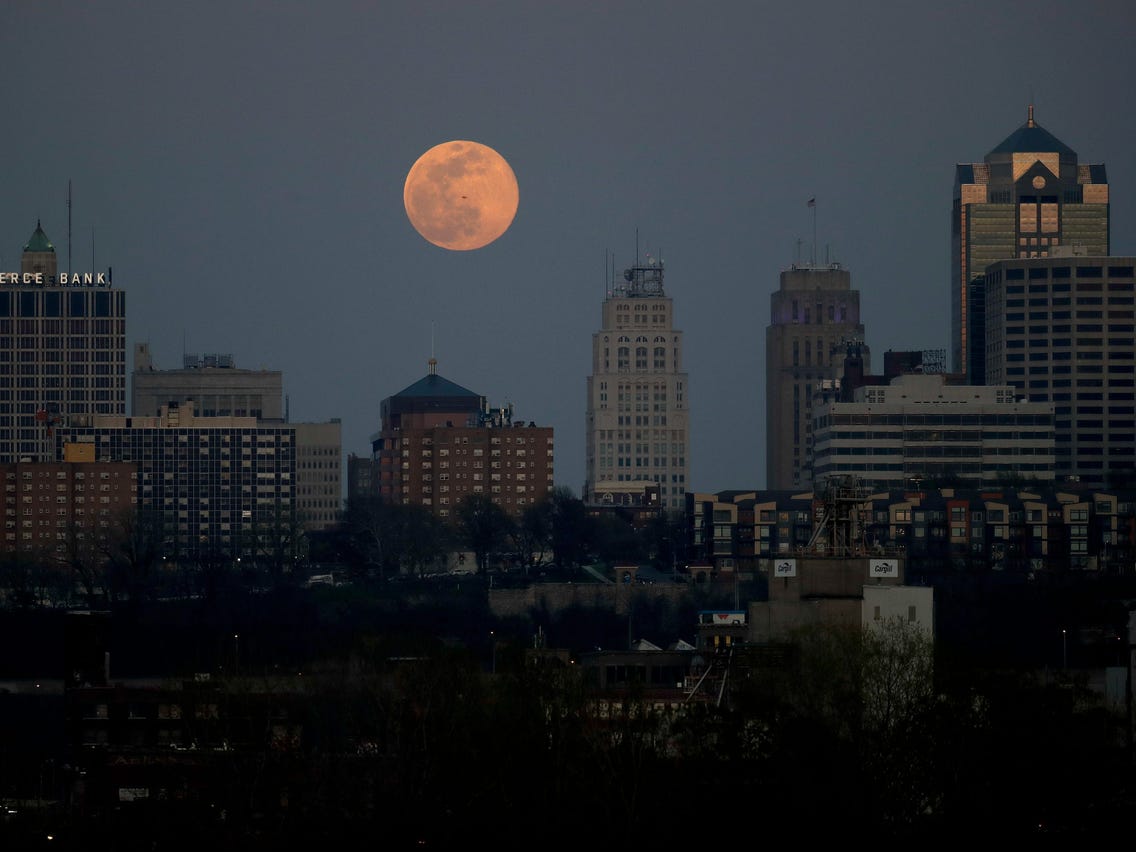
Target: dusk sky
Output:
[(240, 167)]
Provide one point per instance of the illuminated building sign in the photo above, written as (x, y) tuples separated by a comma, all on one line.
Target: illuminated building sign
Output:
[(63, 279)]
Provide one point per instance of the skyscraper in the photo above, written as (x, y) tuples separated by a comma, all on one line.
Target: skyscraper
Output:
[(814, 317), (638, 419), (62, 350), (1060, 331), (1028, 195)]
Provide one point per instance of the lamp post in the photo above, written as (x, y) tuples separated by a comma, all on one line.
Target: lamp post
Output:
[(1064, 649), (237, 653), (493, 644)]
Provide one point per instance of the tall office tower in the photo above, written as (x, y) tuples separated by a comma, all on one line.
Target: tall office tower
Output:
[(62, 350), (1059, 329), (815, 317), (638, 415), (1028, 195), (440, 443)]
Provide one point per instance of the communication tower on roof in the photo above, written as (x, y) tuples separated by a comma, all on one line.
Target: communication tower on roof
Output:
[(643, 279)]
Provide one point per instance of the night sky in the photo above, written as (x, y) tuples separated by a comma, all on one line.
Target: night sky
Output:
[(240, 167)]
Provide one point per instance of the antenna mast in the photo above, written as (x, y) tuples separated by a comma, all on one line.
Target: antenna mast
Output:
[(68, 224)]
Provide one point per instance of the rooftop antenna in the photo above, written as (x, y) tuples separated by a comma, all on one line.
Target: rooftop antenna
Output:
[(636, 246), (813, 207), (433, 362), (68, 224)]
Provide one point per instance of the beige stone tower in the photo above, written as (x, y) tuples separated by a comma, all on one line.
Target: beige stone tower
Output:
[(638, 419), (815, 315)]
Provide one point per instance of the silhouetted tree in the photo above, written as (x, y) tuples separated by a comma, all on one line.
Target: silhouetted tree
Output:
[(133, 545), (572, 530), (666, 540), (373, 528), (615, 539), (421, 537), (532, 536), (483, 526)]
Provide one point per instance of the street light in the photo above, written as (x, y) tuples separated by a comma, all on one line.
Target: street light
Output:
[(1064, 649), (237, 653), (493, 643)]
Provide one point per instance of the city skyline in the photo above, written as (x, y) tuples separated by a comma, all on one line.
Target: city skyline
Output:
[(244, 182)]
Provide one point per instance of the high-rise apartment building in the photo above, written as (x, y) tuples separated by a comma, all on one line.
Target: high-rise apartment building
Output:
[(1029, 195), (440, 443), (1059, 330), (815, 317), (62, 350), (58, 510), (224, 487), (216, 387), (638, 410)]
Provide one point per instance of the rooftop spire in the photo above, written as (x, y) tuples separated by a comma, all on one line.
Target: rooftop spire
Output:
[(1029, 120), (433, 362)]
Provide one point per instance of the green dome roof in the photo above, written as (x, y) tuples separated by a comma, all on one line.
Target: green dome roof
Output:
[(39, 241)]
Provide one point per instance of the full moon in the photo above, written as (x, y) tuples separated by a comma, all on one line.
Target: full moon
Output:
[(461, 195)]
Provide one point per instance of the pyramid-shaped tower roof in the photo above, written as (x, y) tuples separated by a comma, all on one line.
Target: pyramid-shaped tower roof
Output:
[(38, 240), (1032, 138), (434, 385)]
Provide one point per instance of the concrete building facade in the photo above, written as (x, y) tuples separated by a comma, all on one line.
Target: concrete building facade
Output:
[(216, 385), (638, 404), (1059, 330), (1028, 195), (814, 317), (62, 350), (919, 427)]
